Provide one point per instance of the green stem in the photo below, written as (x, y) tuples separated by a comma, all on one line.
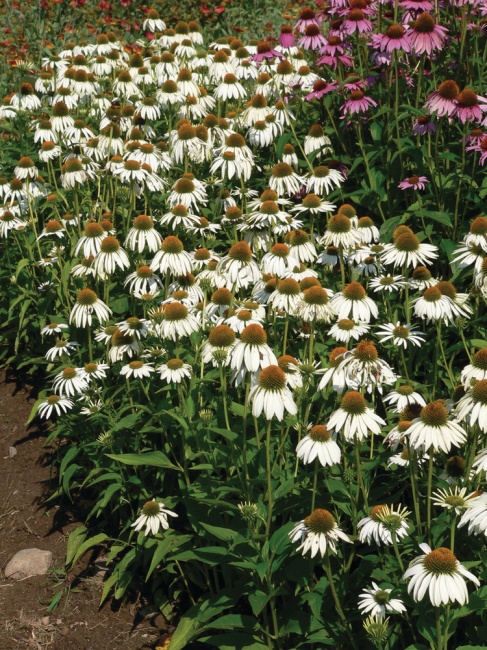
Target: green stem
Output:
[(269, 478), (338, 607), (315, 484), (428, 496)]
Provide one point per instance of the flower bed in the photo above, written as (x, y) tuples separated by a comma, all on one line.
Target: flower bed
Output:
[(254, 275)]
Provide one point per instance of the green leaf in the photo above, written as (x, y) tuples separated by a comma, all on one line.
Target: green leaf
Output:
[(478, 343), (163, 547), (441, 217), (75, 540), (258, 600), (191, 624), (86, 545), (152, 459), (281, 143), (225, 534)]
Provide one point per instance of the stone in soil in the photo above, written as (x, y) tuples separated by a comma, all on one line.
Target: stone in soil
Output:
[(28, 562)]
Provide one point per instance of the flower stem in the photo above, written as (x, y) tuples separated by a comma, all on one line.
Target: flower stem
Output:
[(338, 606), (269, 478), (428, 496)]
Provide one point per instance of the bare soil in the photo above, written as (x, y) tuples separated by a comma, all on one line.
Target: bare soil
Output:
[(27, 521)]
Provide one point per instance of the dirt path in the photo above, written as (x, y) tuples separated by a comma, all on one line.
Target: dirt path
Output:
[(25, 522)]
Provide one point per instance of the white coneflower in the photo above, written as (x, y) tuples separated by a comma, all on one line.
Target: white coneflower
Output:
[(331, 374), (353, 302), (284, 180), (52, 229), (317, 141), (10, 221), (90, 242), (377, 602), (49, 151), (314, 304), (262, 133), (124, 86), (291, 368), (354, 418), (314, 206), (268, 214), (387, 283), (230, 88), (122, 344), (271, 395), (93, 370), (477, 234), (142, 234), (434, 306), (453, 499), (439, 573), (110, 257), (300, 246), (324, 180), (136, 327), (318, 532), (153, 516), (383, 523), (407, 250), (61, 119), (240, 318), (69, 382), (60, 348), (54, 405), (137, 369), (26, 169), (472, 407), (319, 443), (477, 370), (251, 352), (346, 329), (172, 258), (177, 321), (143, 281), (362, 368), (217, 349), (368, 231), (401, 397), (475, 515), (340, 232), (53, 328), (400, 334), (179, 215), (286, 296), (174, 371), (132, 172), (434, 429), (278, 260), (188, 191), (87, 304), (239, 266), (73, 174), (153, 22)]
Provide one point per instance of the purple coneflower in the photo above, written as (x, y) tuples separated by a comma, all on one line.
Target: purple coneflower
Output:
[(468, 106), (426, 35), (414, 182), (423, 125), (357, 103), (395, 38), (443, 101)]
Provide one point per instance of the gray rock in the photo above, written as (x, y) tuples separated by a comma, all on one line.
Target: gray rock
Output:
[(12, 452), (27, 563)]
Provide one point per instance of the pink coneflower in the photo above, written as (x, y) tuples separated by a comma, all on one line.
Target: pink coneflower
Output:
[(335, 51), (321, 88), (357, 103), (443, 101), (482, 149), (286, 37), (266, 51), (468, 108), (395, 38), (416, 5), (312, 39), (307, 17), (426, 35), (356, 21), (414, 182), (475, 137), (423, 125)]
